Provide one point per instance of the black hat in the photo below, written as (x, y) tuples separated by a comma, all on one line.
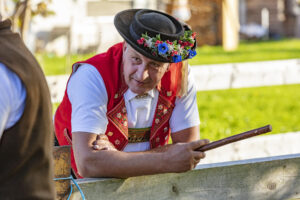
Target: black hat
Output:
[(156, 35)]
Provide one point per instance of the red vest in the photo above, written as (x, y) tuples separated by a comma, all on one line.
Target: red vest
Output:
[(109, 65)]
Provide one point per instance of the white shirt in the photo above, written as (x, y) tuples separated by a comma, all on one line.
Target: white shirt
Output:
[(87, 94), (12, 98)]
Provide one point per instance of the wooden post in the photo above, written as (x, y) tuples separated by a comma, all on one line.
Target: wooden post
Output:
[(26, 20), (230, 21), (62, 169), (2, 10)]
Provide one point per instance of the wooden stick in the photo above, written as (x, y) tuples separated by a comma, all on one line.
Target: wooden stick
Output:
[(235, 138)]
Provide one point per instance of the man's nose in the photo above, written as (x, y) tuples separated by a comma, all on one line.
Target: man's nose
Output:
[(142, 72)]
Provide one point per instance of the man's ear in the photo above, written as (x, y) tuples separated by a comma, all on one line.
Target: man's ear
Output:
[(124, 46)]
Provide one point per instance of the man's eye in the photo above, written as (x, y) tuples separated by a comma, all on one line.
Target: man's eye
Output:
[(135, 59), (154, 65)]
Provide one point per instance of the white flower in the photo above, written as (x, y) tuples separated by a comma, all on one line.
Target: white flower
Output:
[(149, 43), (179, 49), (170, 48)]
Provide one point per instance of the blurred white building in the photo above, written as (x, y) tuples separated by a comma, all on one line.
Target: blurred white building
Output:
[(80, 26)]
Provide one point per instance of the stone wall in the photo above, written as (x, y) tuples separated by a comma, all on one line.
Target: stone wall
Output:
[(206, 19), (254, 8), (281, 20), (252, 74)]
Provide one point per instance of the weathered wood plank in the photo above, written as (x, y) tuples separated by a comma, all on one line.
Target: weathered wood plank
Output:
[(62, 169), (270, 178)]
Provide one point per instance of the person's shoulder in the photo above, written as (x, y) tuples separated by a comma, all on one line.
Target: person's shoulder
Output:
[(8, 77), (11, 86), (85, 77), (84, 68), (4, 70)]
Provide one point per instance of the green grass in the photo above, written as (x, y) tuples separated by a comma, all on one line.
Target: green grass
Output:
[(54, 65), (247, 52), (54, 107), (227, 112)]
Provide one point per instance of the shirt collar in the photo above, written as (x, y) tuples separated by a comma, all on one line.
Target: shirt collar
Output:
[(129, 95)]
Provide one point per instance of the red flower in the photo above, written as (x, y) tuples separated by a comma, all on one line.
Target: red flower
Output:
[(158, 42), (174, 53), (168, 42), (186, 44), (194, 35), (140, 41)]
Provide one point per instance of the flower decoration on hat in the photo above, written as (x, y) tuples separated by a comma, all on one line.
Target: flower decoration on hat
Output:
[(174, 51)]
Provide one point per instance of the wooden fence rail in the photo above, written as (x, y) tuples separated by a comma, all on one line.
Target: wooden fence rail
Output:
[(271, 178)]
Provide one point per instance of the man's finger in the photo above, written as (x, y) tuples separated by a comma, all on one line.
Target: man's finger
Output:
[(198, 155), (99, 142), (102, 137), (97, 147), (198, 143), (103, 147)]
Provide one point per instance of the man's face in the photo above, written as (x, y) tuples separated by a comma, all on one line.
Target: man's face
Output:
[(141, 73)]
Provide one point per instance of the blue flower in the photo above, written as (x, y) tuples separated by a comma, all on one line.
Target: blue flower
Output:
[(192, 53), (162, 48), (176, 58)]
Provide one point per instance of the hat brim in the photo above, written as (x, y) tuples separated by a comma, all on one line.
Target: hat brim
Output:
[(122, 23)]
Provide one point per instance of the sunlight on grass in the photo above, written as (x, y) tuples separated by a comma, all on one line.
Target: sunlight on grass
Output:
[(227, 112), (249, 52)]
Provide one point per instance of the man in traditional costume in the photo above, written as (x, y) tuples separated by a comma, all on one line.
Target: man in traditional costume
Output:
[(26, 133), (121, 107)]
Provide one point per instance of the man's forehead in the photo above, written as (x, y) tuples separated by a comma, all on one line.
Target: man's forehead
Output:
[(133, 51)]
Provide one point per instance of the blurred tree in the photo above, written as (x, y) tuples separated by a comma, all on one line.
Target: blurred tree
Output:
[(23, 11)]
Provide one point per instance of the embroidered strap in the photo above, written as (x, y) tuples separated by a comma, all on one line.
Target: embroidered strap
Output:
[(141, 96), (118, 117), (66, 134), (138, 134)]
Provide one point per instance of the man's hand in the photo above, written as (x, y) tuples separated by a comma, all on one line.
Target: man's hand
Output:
[(102, 143), (181, 157), (105, 160)]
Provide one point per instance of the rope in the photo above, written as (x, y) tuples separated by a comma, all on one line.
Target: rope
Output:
[(71, 190)]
